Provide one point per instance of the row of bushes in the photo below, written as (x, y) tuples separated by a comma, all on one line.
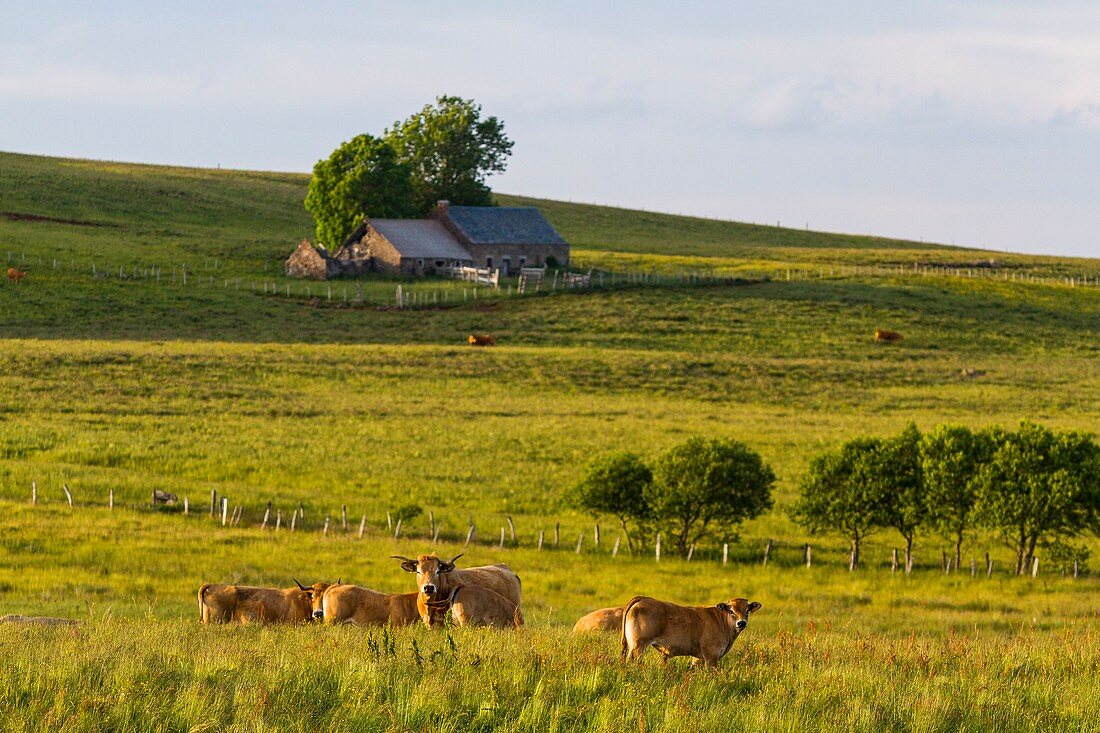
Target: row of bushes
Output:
[(1032, 487)]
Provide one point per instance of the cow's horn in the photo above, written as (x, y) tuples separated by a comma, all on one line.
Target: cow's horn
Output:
[(339, 581), (300, 586), (401, 557), (452, 562)]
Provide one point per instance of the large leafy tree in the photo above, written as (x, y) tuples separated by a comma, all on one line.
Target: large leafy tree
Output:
[(451, 150), (616, 484), (841, 493), (897, 473), (708, 487), (363, 177), (951, 458), (1040, 486)]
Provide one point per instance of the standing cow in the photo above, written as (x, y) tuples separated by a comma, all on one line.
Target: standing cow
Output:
[(352, 604), (703, 632), (220, 603), (435, 578)]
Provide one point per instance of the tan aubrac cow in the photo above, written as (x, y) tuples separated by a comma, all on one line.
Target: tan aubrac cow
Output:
[(703, 632), (219, 603), (435, 578), (604, 619), (471, 605), (338, 603)]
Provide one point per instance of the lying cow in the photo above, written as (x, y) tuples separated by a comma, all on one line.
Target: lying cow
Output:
[(435, 578), (884, 336), (221, 604), (16, 275), (703, 632), (471, 605), (481, 339), (605, 619), (337, 603)]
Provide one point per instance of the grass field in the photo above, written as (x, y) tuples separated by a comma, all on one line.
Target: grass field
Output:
[(129, 385)]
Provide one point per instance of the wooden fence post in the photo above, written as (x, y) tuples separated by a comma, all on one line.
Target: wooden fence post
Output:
[(596, 536), (34, 493), (431, 524), (725, 553), (809, 555), (186, 507), (325, 530), (988, 566), (973, 567), (389, 521), (469, 536), (501, 545), (213, 501), (512, 530), (362, 525), (894, 561), (1034, 566), (267, 515), (294, 520), (691, 551), (557, 525), (397, 529), (767, 552), (435, 532), (111, 499), (225, 509), (301, 510), (541, 537), (68, 495), (278, 520), (657, 548), (1075, 569), (344, 517), (580, 541)]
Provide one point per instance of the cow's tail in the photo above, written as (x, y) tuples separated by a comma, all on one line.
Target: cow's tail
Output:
[(622, 629), (202, 602)]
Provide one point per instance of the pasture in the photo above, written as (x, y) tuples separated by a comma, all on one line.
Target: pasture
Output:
[(130, 385)]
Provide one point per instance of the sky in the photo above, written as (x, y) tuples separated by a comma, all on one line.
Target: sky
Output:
[(974, 123)]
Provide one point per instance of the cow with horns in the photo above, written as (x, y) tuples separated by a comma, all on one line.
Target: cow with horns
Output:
[(436, 578)]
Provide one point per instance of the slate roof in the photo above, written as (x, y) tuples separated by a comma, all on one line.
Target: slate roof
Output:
[(502, 225), (423, 238)]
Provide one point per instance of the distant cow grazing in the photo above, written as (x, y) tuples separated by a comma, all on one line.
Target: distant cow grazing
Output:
[(352, 604), (605, 619), (435, 578), (481, 339), (16, 275), (884, 336), (703, 632), (471, 605), (219, 603)]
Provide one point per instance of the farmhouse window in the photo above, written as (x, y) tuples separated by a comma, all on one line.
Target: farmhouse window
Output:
[(420, 263), (440, 263), (489, 262)]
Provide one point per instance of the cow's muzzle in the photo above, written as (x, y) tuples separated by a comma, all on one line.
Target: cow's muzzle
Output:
[(318, 615), (429, 589), (741, 624)]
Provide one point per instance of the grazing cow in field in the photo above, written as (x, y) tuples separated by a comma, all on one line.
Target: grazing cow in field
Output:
[(471, 605), (17, 275), (703, 632), (352, 604), (884, 336), (481, 339), (605, 619), (219, 603), (436, 577)]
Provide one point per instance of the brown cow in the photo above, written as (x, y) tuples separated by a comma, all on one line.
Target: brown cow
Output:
[(435, 578), (605, 619), (471, 605), (219, 603), (884, 336), (16, 275), (352, 604), (703, 632), (481, 339)]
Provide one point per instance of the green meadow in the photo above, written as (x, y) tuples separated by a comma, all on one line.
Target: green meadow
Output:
[(123, 385)]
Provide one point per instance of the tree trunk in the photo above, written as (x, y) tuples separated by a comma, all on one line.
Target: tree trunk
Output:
[(958, 548), (1029, 559), (853, 560)]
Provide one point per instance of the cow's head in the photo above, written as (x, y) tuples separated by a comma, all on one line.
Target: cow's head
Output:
[(315, 593), (430, 572), (738, 610)]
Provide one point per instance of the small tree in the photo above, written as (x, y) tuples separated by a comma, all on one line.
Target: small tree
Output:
[(951, 458), (703, 487), (1040, 486), (616, 484), (842, 494), (450, 150), (363, 177), (896, 471)]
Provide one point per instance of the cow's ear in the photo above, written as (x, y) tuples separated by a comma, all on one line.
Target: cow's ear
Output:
[(754, 607), (724, 608), (408, 565)]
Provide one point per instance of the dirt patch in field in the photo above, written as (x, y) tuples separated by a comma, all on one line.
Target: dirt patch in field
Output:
[(17, 216)]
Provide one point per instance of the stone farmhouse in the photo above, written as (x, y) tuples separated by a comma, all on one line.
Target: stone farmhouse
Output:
[(504, 238)]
